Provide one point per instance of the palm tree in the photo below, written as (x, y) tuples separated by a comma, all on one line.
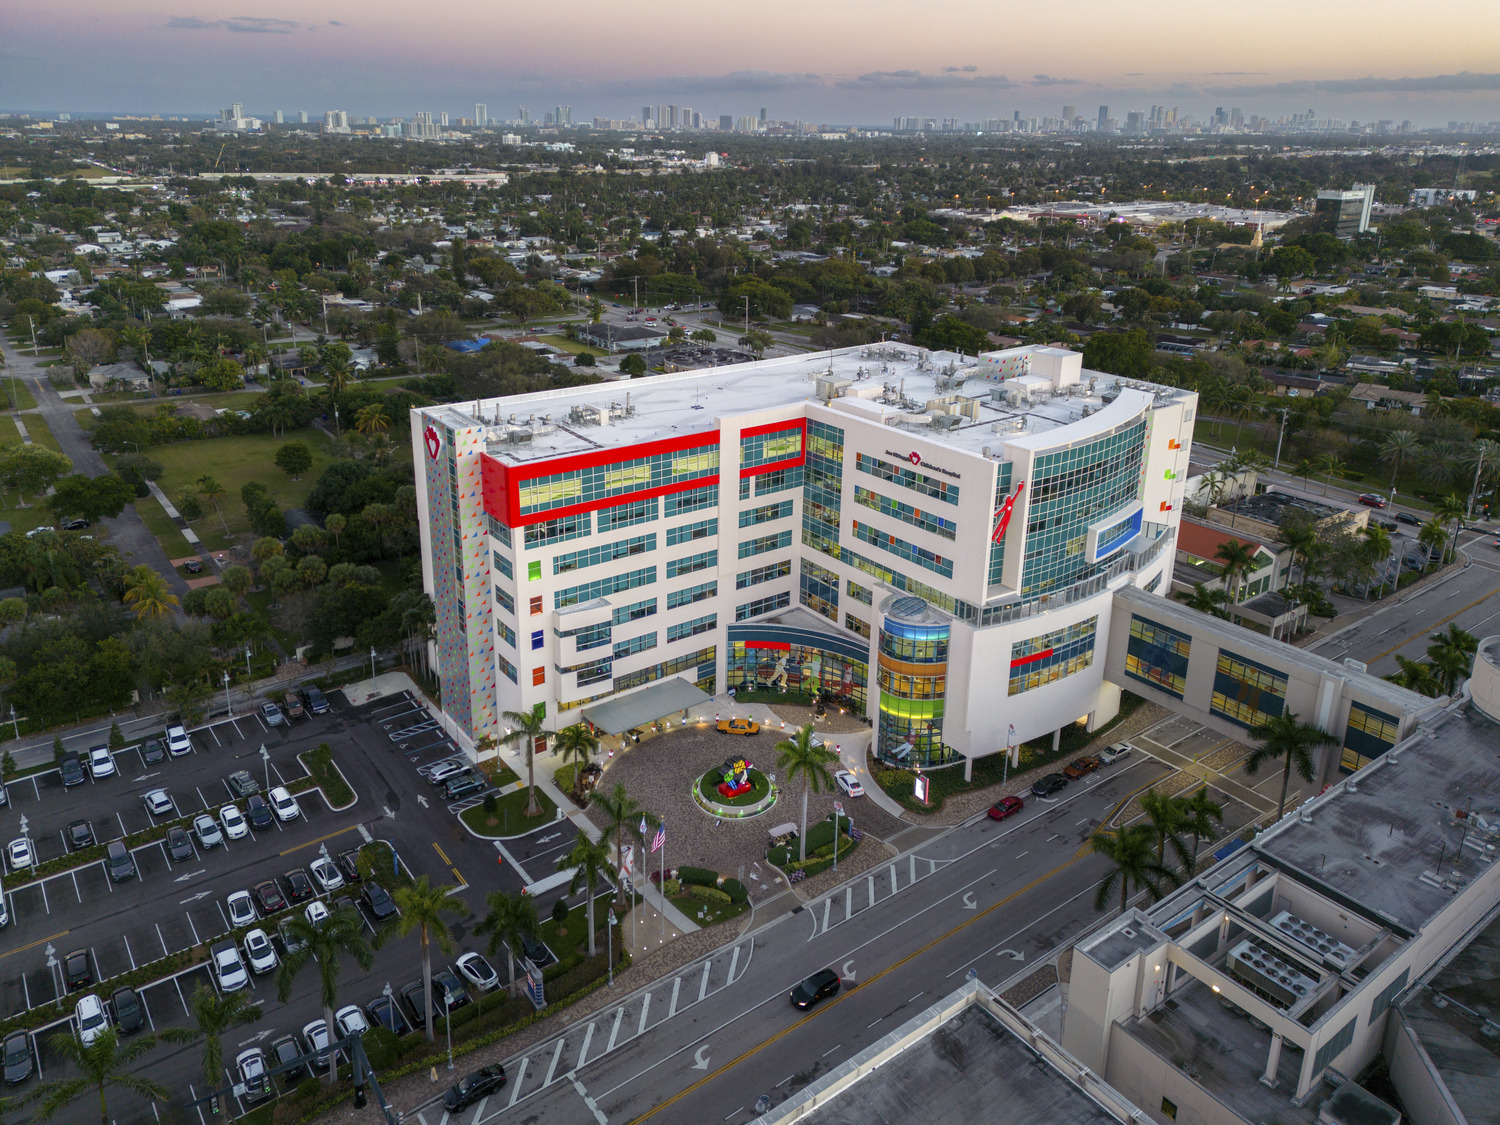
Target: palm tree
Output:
[(1289, 738), (1401, 447), (588, 860), (1433, 537), (148, 593), (1133, 853), (208, 486), (508, 919), (624, 815), (339, 376), (1238, 561), (1451, 656), (526, 728), (372, 419), (1201, 815), (1305, 469), (1378, 551), (1241, 406), (576, 744), (1331, 465), (216, 1014), (801, 757), (1167, 820), (1303, 541), (1417, 675), (1208, 601), (100, 1064), (1450, 510), (421, 907), (342, 932)]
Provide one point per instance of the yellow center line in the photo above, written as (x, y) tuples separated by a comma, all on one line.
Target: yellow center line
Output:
[(844, 996), (456, 875), (319, 840), (1434, 625), (439, 851), (33, 945)]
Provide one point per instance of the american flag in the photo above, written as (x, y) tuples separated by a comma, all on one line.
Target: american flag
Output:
[(660, 838)]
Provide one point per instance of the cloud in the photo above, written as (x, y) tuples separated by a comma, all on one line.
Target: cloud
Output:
[(1049, 80), (916, 80), (1462, 83), (252, 25), (1232, 73), (674, 85), (335, 23), (959, 69)]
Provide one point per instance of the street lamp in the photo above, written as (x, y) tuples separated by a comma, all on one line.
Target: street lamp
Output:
[(265, 756), (448, 1027), (51, 952), (15, 722), (609, 934), (372, 662), (228, 704), (247, 660)]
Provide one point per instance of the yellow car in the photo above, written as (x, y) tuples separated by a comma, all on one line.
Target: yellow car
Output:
[(738, 726)]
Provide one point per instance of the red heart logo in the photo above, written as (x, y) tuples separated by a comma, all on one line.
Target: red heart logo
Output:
[(433, 444)]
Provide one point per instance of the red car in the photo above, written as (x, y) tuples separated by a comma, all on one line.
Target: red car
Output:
[(1005, 807), (1080, 766), (1370, 500)]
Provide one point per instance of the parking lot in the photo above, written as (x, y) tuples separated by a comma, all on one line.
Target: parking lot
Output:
[(382, 748)]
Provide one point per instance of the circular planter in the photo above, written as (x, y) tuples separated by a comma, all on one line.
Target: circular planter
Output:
[(726, 811)]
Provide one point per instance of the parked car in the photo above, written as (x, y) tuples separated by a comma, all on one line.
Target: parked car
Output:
[(1006, 806), (1408, 518), (317, 703), (284, 805), (473, 1086), (260, 952), (444, 770), (158, 803), (228, 968), (448, 991), (80, 834), (271, 714), (232, 821), (241, 909), (268, 897), (535, 950), (119, 862), (19, 1061), (78, 970), (293, 705), (325, 874), (251, 1065), (463, 785), (70, 767), (387, 1014), (318, 1039), (349, 866), (1080, 767), (849, 783), (284, 1053), (821, 985), (91, 1017), (20, 853), (242, 783), (351, 1021), (1112, 754), (180, 844), (378, 901), (477, 971), (738, 726), (178, 741), (316, 913), (153, 753), (206, 828), (1046, 786), (289, 943), (258, 813), (76, 524), (130, 1016), (416, 1002), (193, 566), (299, 887), (101, 762)]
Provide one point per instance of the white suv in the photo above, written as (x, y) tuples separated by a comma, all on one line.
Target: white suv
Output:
[(228, 967), (92, 1018), (177, 741)]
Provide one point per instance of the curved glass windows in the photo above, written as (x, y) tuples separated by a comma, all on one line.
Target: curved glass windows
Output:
[(913, 670)]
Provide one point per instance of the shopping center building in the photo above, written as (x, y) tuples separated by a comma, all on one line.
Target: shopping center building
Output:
[(935, 538)]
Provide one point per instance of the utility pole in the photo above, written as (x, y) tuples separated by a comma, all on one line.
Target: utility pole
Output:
[(1478, 468), (1280, 433), (747, 314)]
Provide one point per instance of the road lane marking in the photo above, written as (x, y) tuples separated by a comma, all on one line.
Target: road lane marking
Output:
[(734, 959), (515, 1091), (583, 1052), (588, 1101), (703, 988), (33, 945), (613, 1031), (319, 840), (645, 1007), (672, 1008), (552, 1069), (830, 1050), (1438, 625), (440, 853)]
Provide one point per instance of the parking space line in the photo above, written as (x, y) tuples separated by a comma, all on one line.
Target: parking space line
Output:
[(196, 939), (76, 891), (126, 939), (515, 1090), (615, 1030), (588, 1037), (181, 999), (703, 988), (236, 725), (123, 830), (552, 1069), (165, 952), (672, 1007), (151, 1023), (223, 918), (645, 1007), (216, 743), (26, 992), (202, 798), (193, 1095), (42, 883)]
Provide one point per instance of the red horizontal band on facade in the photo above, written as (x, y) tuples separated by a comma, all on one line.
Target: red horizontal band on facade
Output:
[(789, 463), (776, 427), (1046, 652), (779, 646)]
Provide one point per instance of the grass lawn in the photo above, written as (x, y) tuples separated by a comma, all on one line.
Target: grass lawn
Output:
[(17, 392), (160, 525), (24, 519), (577, 926), (708, 785), (711, 911), (572, 347), (39, 431), (509, 815)]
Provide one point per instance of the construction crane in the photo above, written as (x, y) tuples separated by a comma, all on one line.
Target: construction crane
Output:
[(220, 157)]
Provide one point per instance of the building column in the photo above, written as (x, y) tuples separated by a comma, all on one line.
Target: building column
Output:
[(1056, 739), (968, 768), (1273, 1060)]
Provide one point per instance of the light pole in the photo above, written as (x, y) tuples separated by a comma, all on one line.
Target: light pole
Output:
[(372, 662), (609, 935), (51, 952), (15, 722), (265, 756), (228, 704), (1478, 468), (1281, 432), (838, 809), (247, 660), (448, 1028)]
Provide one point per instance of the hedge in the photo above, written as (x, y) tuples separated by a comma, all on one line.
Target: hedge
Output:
[(709, 894), (698, 876), (736, 890), (319, 762)]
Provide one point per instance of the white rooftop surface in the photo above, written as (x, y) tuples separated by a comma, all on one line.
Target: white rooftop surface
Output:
[(888, 383)]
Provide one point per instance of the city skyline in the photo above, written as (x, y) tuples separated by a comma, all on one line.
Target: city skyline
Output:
[(838, 63)]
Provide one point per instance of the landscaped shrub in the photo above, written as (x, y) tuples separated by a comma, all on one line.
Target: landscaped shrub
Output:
[(699, 876), (709, 894), (673, 888), (382, 1047), (736, 891)]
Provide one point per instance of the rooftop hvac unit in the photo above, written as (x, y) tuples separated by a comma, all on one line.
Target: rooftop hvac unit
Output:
[(1269, 974), (1305, 933), (518, 435)]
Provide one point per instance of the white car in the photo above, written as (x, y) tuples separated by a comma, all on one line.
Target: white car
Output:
[(241, 909), (233, 822), (351, 1021), (178, 741), (444, 770), (284, 804), (1114, 753), (849, 783), (228, 968), (477, 971), (20, 853), (316, 1034), (206, 828), (101, 764), (325, 873), (91, 1016), (260, 952), (315, 912), (158, 803), (252, 1067)]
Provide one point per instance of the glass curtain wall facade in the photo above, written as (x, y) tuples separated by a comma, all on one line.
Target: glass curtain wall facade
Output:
[(913, 660)]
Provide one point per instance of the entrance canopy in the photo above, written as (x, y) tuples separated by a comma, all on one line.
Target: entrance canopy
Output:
[(618, 715)]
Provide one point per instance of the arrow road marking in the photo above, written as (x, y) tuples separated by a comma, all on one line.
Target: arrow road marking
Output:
[(847, 972), (387, 810), (148, 776), (256, 1038), (700, 1058), (553, 836), (1014, 955), (969, 903), (185, 878), (422, 800)]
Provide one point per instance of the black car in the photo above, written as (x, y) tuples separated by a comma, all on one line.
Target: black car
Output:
[(821, 985), (119, 862), (258, 813), (71, 768), (284, 1052), (473, 1086), (317, 703), (19, 1062), (1408, 518), (179, 844), (299, 887), (1052, 783), (387, 1014), (416, 1003), (80, 834), (535, 950), (78, 970), (153, 752), (378, 902), (76, 524), (448, 992), (193, 566), (129, 1015), (348, 865), (462, 785), (268, 897)]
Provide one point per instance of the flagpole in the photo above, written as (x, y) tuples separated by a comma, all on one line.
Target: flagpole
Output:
[(662, 930)]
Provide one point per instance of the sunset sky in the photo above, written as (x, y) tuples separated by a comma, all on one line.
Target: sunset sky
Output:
[(844, 61)]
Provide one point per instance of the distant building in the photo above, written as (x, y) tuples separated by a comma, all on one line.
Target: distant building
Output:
[(481, 115), (1350, 210)]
